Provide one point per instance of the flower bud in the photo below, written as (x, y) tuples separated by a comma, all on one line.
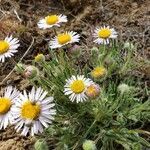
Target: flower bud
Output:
[(89, 145), (40, 145), (109, 61), (93, 90), (75, 50), (39, 58), (19, 68), (98, 72), (94, 53), (123, 88), (95, 49), (30, 72), (128, 45)]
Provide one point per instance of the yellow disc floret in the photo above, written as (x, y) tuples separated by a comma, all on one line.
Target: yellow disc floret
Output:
[(91, 90), (30, 110), (104, 33), (4, 46), (39, 58), (51, 19), (5, 104), (78, 86), (63, 38), (98, 72)]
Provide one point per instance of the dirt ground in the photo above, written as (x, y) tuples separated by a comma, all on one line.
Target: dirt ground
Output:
[(131, 18)]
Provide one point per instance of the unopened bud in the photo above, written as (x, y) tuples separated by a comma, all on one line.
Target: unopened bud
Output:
[(75, 50), (128, 45), (95, 49), (123, 88), (89, 145), (41, 145), (39, 58), (31, 72), (19, 68)]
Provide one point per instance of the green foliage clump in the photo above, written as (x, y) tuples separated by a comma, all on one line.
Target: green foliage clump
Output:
[(112, 120)]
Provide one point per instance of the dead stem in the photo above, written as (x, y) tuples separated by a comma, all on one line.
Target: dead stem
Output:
[(143, 132), (17, 15)]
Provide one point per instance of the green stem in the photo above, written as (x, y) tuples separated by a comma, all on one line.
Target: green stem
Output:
[(87, 132), (85, 135), (126, 63)]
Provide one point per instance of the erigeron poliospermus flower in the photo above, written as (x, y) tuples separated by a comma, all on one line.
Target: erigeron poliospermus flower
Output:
[(8, 47), (98, 72), (64, 39), (76, 86), (7, 100), (93, 90), (52, 20), (104, 34), (33, 111)]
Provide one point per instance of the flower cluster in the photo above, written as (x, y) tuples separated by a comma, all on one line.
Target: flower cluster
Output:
[(9, 45), (33, 111)]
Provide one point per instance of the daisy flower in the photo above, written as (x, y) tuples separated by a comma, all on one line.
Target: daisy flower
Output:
[(93, 90), (64, 39), (33, 111), (52, 20), (103, 35), (8, 47), (76, 86), (98, 72), (7, 100)]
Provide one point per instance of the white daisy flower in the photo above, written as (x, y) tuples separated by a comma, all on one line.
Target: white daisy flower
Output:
[(33, 111), (103, 35), (76, 86), (8, 47), (64, 39), (52, 20), (7, 100)]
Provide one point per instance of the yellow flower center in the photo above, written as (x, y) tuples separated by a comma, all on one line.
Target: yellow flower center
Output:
[(98, 72), (51, 19), (78, 86), (4, 46), (30, 110), (5, 104), (91, 90), (104, 33), (63, 38)]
